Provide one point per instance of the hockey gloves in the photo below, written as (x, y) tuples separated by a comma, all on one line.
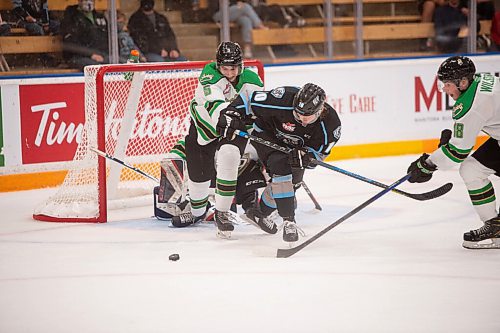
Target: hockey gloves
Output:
[(299, 158), (229, 121), (421, 170)]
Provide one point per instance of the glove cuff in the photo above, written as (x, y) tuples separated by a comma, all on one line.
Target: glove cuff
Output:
[(424, 166)]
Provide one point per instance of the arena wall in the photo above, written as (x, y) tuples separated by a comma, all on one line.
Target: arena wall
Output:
[(387, 107)]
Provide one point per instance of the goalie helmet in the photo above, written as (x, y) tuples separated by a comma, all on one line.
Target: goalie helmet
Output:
[(309, 100), (230, 54), (456, 68)]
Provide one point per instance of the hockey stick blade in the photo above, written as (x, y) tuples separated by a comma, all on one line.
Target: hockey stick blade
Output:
[(285, 253), (442, 190)]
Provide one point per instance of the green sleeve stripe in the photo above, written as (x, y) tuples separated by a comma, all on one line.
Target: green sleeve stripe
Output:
[(481, 190), (206, 131), (453, 155), (484, 201), (181, 154), (212, 106), (460, 151)]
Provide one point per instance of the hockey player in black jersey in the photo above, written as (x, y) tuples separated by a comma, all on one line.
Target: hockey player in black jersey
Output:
[(296, 118)]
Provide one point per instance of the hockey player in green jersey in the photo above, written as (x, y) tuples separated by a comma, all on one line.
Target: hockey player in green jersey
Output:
[(477, 108), (219, 83)]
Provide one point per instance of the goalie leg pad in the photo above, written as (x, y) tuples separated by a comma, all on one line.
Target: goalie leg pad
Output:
[(166, 210), (173, 180)]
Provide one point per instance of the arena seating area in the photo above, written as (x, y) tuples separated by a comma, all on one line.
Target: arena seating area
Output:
[(391, 28)]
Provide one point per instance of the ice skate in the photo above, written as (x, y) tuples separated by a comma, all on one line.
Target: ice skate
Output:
[(255, 217), (223, 223), (486, 237), (186, 219), (290, 231)]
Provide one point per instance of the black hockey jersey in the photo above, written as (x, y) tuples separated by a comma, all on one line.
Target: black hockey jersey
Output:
[(274, 121)]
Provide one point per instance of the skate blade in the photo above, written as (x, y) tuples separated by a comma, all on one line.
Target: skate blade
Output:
[(493, 243), (223, 234), (248, 221)]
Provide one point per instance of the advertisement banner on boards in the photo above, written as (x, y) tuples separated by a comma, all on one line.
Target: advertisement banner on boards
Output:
[(52, 120), (383, 100), (2, 156)]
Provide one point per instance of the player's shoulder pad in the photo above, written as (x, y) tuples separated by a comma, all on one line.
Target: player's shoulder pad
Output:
[(331, 118), (210, 74), (250, 77)]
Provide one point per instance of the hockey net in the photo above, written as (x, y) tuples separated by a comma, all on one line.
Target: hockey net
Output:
[(135, 113)]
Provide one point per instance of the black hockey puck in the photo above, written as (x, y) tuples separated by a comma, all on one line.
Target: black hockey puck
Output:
[(173, 257)]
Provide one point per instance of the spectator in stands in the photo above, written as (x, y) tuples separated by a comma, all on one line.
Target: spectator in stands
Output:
[(485, 11), (4, 27), (448, 19), (125, 41), (34, 16), (426, 9), (284, 16), (151, 31), (85, 35), (245, 16), (495, 31)]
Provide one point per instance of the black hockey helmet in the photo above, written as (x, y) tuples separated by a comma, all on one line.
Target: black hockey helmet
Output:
[(230, 54), (455, 69), (309, 100)]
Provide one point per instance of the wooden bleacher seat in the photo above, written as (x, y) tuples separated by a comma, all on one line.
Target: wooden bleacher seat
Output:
[(60, 5), (366, 19), (373, 32), (19, 43)]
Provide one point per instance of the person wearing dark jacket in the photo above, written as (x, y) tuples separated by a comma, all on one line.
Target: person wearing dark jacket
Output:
[(152, 33), (85, 35), (34, 16)]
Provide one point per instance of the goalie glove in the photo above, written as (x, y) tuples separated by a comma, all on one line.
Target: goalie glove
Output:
[(229, 121), (421, 170), (300, 158)]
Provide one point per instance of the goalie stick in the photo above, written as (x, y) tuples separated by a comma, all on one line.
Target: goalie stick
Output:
[(285, 253), (417, 196), (139, 171)]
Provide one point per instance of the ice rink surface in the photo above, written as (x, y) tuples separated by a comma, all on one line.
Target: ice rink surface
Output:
[(396, 266)]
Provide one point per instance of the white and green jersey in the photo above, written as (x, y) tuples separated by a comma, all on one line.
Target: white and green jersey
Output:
[(214, 93), (476, 110)]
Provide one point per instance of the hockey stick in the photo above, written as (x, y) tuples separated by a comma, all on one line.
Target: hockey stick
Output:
[(139, 171), (285, 253), (309, 193), (417, 196)]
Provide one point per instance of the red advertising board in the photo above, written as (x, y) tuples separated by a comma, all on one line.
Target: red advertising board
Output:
[(52, 119)]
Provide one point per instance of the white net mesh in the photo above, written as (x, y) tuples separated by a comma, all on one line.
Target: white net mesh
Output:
[(144, 115)]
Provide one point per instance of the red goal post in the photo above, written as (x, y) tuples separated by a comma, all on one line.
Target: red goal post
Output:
[(136, 113)]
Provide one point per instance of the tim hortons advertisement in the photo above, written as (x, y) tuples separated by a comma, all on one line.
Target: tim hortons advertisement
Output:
[(161, 118), (52, 118)]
